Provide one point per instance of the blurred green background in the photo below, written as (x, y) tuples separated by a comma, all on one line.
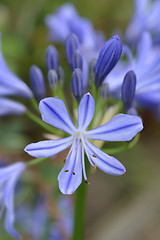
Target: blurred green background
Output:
[(123, 208)]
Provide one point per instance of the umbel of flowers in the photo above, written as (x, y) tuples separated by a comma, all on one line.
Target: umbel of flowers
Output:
[(106, 83)]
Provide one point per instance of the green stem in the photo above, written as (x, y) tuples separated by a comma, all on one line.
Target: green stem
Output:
[(40, 122), (35, 104), (35, 161), (79, 212)]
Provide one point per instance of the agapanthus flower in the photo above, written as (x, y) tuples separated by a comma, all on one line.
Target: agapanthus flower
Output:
[(146, 66), (9, 176), (120, 128), (145, 18), (65, 20), (10, 84)]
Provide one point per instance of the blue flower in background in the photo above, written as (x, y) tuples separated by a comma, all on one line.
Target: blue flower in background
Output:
[(9, 176), (10, 84), (120, 128), (145, 18), (65, 20), (146, 66)]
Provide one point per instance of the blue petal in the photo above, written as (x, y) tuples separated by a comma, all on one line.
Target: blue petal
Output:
[(144, 47), (48, 148), (70, 176), (121, 127), (55, 113), (86, 111), (10, 83), (103, 161), (9, 198), (11, 107)]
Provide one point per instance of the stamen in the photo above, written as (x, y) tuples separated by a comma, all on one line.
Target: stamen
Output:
[(94, 156), (95, 166), (64, 160), (86, 181), (66, 170), (73, 173)]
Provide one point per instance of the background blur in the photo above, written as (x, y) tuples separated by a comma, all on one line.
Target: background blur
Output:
[(123, 208)]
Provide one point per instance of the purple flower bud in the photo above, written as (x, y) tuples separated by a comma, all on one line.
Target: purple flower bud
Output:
[(71, 45), (52, 58), (37, 82), (77, 84), (128, 89), (107, 59), (77, 61), (52, 79)]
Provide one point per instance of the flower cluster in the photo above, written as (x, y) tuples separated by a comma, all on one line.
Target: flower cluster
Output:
[(109, 82)]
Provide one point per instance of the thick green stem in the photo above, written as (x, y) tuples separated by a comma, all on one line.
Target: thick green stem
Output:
[(79, 212)]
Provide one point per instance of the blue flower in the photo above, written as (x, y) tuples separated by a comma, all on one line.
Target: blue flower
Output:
[(146, 66), (145, 18), (9, 177), (120, 128), (65, 20), (10, 84)]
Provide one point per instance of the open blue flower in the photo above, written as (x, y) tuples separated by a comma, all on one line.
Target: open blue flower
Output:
[(145, 18), (120, 128), (146, 66), (8, 177), (65, 20)]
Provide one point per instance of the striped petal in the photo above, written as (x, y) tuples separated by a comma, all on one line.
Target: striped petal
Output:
[(121, 127), (48, 148), (70, 176), (86, 111), (103, 161), (55, 113)]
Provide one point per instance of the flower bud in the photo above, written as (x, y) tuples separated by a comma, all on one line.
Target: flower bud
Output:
[(71, 45), (77, 84), (77, 61), (128, 89), (107, 59), (52, 58), (52, 79), (37, 82)]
